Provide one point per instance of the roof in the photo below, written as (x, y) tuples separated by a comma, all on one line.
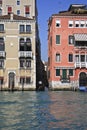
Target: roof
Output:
[(74, 6), (74, 10), (14, 16)]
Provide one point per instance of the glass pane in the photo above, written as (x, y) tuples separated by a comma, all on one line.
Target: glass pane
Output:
[(21, 28), (57, 39), (28, 28), (57, 72), (1, 27)]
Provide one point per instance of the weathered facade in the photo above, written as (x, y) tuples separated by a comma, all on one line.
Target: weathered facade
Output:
[(18, 36), (67, 48)]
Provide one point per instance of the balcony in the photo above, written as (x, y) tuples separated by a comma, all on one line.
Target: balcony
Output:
[(26, 54), (80, 64), (65, 79), (2, 54)]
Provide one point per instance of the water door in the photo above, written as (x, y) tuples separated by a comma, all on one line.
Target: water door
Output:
[(82, 79), (11, 80)]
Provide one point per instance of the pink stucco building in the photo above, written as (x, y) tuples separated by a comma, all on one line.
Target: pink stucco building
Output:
[(67, 48)]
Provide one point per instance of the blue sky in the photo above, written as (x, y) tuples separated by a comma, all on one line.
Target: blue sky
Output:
[(45, 9)]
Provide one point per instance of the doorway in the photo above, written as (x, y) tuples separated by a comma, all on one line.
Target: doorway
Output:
[(82, 79), (11, 80)]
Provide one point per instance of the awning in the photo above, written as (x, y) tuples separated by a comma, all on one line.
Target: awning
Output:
[(80, 37)]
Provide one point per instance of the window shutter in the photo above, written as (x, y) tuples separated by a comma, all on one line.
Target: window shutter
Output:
[(27, 10), (9, 9)]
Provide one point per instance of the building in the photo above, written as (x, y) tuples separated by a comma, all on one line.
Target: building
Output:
[(67, 48), (18, 46)]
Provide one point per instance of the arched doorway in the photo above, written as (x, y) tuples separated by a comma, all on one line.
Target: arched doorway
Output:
[(82, 79), (11, 80)]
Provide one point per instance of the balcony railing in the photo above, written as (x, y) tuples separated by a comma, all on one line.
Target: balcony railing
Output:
[(65, 79), (2, 54), (80, 64), (80, 47), (25, 54)]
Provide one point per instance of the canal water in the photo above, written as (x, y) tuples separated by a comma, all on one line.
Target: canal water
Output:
[(49, 110)]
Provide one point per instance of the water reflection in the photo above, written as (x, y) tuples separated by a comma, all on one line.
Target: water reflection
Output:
[(68, 110), (43, 111)]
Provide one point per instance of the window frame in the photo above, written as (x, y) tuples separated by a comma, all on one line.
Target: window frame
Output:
[(18, 2), (71, 73), (71, 40), (58, 58), (18, 12), (70, 57), (58, 23), (57, 39), (57, 72), (2, 28)]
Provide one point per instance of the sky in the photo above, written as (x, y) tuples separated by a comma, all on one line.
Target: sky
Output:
[(45, 9)]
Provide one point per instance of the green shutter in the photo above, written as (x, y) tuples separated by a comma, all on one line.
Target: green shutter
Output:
[(57, 39), (71, 72), (64, 73)]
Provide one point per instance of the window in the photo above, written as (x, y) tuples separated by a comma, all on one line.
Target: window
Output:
[(22, 80), (21, 44), (86, 24), (28, 44), (64, 73), (82, 23), (57, 57), (57, 23), (82, 58), (18, 2), (18, 12), (51, 40), (1, 27), (70, 57), (1, 63), (22, 63), (77, 58), (28, 63), (0, 11), (27, 11), (28, 28), (76, 23), (25, 28), (22, 28), (2, 47), (28, 80), (71, 72), (57, 72), (70, 23), (71, 39), (28, 40), (25, 44), (1, 80), (9, 10), (57, 39)]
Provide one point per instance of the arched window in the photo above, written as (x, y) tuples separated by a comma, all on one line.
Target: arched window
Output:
[(28, 44), (57, 57), (70, 57), (28, 40), (21, 45)]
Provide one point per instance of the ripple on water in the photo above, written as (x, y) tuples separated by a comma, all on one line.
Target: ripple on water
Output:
[(43, 111)]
